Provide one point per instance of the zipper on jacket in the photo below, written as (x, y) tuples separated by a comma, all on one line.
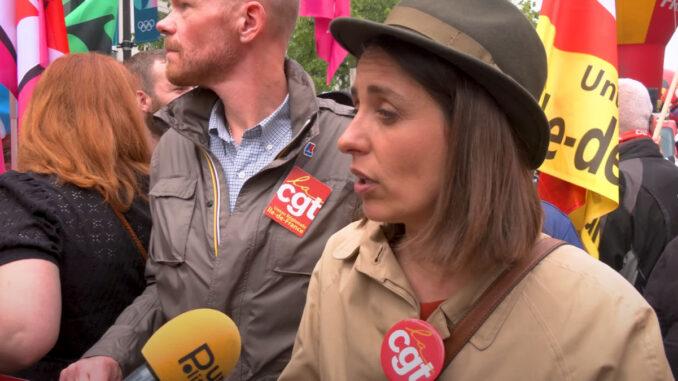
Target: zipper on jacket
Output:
[(217, 202)]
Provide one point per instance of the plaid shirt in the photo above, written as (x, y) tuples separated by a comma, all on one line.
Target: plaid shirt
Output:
[(259, 146)]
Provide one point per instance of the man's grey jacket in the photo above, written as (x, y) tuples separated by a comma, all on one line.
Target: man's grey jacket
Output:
[(242, 263)]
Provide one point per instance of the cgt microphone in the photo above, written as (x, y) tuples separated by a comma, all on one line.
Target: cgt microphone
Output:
[(198, 345)]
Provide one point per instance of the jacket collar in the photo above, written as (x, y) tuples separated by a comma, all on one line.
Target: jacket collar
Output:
[(638, 148), (189, 114), (374, 258), (633, 134)]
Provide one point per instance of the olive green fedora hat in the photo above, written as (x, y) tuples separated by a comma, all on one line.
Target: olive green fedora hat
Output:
[(489, 40)]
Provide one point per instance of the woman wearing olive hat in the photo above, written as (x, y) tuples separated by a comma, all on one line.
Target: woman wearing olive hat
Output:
[(448, 275)]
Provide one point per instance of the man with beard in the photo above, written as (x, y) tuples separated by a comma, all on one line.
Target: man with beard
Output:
[(154, 89), (246, 187)]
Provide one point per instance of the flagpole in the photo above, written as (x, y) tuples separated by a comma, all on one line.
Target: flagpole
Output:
[(665, 107), (669, 95), (14, 136), (126, 43)]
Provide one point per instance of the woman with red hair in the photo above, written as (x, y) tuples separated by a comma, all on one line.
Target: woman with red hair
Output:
[(74, 222)]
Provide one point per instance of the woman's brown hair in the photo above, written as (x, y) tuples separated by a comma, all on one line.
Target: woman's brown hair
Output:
[(487, 212), (83, 125)]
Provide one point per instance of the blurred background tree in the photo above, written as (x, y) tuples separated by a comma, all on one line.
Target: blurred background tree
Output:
[(529, 9)]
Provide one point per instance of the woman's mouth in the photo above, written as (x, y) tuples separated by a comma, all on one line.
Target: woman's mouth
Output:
[(363, 184)]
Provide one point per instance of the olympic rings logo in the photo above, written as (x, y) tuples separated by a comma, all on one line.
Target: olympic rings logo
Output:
[(146, 25)]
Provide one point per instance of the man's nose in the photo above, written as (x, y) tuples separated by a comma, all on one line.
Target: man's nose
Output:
[(164, 26)]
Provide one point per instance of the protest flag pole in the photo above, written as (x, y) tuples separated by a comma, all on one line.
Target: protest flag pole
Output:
[(14, 129), (126, 43), (672, 88), (665, 107)]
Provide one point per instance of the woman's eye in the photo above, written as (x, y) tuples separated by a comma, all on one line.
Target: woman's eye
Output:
[(387, 116)]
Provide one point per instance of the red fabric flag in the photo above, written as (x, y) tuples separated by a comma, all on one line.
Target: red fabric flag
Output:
[(8, 45), (7, 56), (324, 11), (41, 38), (644, 27), (32, 34)]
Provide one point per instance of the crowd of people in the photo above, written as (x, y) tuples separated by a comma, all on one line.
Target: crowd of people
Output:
[(336, 233)]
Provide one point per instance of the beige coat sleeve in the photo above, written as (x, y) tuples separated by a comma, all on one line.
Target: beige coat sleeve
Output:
[(642, 354), (305, 363)]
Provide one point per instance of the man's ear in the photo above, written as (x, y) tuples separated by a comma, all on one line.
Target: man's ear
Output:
[(144, 100), (252, 20)]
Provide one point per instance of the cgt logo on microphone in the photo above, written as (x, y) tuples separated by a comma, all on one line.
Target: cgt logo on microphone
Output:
[(199, 365), (297, 202)]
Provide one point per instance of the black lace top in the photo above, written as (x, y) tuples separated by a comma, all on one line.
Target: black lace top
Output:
[(101, 271)]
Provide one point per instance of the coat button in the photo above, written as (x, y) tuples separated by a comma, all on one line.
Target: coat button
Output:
[(209, 203)]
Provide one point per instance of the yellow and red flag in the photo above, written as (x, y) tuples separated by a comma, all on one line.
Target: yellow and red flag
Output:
[(580, 174), (644, 27)]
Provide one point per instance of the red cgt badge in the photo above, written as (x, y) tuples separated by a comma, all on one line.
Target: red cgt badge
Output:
[(412, 350), (297, 202)]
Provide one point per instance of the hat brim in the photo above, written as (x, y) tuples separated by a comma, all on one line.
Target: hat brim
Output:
[(523, 111)]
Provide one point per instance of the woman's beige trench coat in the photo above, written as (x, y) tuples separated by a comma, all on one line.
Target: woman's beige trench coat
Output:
[(571, 318)]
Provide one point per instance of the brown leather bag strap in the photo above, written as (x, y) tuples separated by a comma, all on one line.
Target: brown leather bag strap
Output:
[(493, 296), (132, 234)]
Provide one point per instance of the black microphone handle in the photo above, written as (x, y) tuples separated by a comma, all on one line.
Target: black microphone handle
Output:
[(141, 373)]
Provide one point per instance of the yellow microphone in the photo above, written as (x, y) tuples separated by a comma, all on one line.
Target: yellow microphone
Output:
[(198, 345)]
